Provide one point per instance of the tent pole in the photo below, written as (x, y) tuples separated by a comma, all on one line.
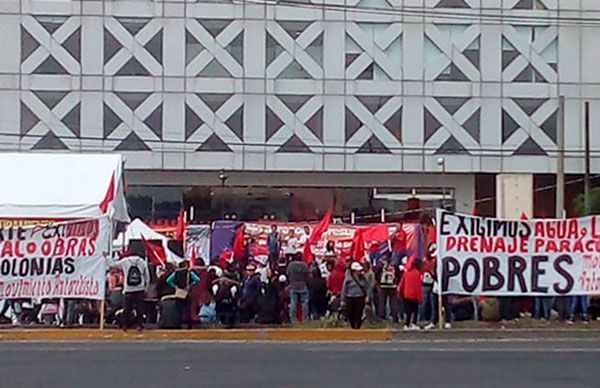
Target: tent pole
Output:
[(440, 309), (102, 308)]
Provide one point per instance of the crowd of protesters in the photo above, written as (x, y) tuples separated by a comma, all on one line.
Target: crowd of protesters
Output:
[(389, 284)]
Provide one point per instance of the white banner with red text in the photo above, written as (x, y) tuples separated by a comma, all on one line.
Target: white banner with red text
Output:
[(541, 257), (60, 260)]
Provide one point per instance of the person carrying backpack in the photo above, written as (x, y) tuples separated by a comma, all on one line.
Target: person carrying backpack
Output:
[(182, 280), (388, 277), (136, 280)]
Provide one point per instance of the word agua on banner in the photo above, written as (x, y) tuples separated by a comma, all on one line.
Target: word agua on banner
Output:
[(506, 257), (61, 260)]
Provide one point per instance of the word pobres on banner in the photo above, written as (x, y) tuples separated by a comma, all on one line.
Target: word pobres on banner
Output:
[(61, 260), (486, 256)]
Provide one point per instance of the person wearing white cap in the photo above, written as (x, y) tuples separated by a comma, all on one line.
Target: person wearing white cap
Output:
[(355, 293)]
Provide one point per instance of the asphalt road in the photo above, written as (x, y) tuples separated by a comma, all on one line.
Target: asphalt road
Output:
[(445, 363)]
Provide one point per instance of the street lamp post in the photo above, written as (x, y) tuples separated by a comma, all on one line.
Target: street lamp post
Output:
[(442, 163), (223, 178), (440, 302)]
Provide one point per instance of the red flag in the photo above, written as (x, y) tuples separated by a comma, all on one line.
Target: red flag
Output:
[(193, 257), (376, 233), (358, 245), (110, 195), (155, 252), (524, 216), (180, 228), (316, 235), (239, 246)]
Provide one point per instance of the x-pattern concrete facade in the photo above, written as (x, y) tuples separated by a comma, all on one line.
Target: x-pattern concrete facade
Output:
[(324, 85)]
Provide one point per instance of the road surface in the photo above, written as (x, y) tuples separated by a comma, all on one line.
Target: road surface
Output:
[(441, 363)]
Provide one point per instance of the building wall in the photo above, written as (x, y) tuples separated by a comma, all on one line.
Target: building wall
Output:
[(323, 85)]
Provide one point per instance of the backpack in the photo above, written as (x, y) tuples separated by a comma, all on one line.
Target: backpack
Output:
[(388, 276), (134, 276), (224, 294)]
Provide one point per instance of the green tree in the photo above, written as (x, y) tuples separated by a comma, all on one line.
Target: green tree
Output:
[(579, 202)]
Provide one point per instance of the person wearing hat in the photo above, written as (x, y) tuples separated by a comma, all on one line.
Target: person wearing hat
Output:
[(355, 294)]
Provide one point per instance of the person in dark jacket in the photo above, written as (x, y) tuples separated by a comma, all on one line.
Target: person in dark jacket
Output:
[(317, 289), (274, 245), (355, 294), (269, 306), (251, 287), (182, 280), (225, 291), (297, 274)]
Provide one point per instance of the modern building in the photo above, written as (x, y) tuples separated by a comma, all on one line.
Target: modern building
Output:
[(370, 102)]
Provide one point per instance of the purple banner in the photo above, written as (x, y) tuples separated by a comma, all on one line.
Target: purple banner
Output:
[(223, 234)]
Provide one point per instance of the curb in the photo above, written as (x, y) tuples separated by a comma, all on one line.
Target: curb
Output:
[(293, 335), (289, 335)]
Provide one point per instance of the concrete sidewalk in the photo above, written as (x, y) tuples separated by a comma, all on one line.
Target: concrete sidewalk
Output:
[(289, 334)]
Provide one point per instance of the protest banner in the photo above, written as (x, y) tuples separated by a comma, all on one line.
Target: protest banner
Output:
[(544, 257), (342, 235), (197, 243), (59, 260)]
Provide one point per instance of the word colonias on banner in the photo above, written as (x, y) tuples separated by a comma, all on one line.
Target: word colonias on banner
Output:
[(56, 260), (526, 257)]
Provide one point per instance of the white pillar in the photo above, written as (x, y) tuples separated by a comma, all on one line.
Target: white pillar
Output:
[(514, 195)]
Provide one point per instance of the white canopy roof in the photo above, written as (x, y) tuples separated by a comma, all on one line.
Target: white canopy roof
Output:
[(138, 229), (62, 186)]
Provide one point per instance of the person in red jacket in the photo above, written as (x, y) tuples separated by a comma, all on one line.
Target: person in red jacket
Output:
[(411, 291), (336, 279)]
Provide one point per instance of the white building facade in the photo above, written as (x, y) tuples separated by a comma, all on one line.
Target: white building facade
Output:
[(320, 92)]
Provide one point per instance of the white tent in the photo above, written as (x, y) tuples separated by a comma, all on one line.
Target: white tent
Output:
[(138, 229), (62, 186)]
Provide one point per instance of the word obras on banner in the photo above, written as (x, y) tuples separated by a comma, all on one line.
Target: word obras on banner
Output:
[(504, 257), (57, 260)]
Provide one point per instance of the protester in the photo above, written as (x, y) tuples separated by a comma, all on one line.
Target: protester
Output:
[(274, 245), (388, 278), (317, 289), (579, 308), (411, 291), (292, 246), (355, 294), (269, 306), (435, 317), (283, 291), (399, 245), (225, 291), (542, 307), (304, 236), (182, 280), (427, 307), (151, 297), (297, 274), (136, 278), (463, 307), (335, 282), (251, 287)]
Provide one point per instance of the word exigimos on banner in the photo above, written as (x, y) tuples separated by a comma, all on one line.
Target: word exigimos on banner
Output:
[(488, 256), (61, 260)]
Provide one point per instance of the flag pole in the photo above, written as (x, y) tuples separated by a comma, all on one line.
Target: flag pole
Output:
[(440, 308), (102, 306)]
